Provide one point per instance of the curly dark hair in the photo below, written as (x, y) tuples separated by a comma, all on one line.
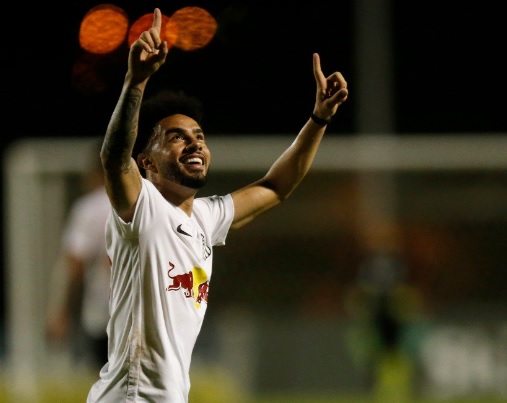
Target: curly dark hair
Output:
[(162, 104)]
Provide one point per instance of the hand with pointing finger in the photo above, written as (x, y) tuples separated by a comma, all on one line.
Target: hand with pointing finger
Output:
[(331, 92), (148, 52)]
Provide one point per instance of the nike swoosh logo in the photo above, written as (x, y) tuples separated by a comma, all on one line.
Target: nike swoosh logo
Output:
[(178, 228)]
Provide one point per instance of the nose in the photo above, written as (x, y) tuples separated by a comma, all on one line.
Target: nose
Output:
[(192, 145)]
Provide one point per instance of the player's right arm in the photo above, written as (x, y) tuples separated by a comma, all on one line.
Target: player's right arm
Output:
[(122, 177)]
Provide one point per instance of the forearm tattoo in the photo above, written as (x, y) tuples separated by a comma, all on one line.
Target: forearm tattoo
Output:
[(121, 133)]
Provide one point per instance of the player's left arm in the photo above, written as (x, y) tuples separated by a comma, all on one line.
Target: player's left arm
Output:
[(291, 167)]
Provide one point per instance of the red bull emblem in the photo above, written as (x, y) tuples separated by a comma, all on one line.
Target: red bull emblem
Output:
[(197, 289)]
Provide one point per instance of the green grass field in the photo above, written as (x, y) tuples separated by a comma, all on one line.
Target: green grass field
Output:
[(215, 387), (76, 391)]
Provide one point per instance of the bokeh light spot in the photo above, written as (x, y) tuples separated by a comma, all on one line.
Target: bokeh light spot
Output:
[(193, 28), (103, 29), (143, 24)]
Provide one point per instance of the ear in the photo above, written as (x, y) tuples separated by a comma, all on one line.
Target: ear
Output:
[(144, 161)]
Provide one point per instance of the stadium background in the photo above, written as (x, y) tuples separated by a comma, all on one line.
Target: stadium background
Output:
[(437, 76)]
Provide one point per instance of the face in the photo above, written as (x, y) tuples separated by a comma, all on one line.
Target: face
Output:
[(179, 152)]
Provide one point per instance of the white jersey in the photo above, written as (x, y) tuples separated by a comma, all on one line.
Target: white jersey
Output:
[(160, 274), (84, 237)]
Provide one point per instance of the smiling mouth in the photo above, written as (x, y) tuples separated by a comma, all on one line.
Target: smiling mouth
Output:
[(194, 165), (194, 161)]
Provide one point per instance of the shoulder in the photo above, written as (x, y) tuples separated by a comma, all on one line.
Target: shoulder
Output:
[(214, 208), (211, 202)]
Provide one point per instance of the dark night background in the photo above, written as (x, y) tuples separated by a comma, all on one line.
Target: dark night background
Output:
[(256, 76)]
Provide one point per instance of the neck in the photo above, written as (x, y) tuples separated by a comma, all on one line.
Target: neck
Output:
[(181, 196)]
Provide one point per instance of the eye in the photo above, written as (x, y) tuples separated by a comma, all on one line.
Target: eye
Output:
[(178, 136)]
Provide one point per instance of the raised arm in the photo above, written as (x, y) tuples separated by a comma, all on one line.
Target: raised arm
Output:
[(122, 177), (291, 167)]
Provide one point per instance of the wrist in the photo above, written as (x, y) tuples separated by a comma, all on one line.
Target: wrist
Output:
[(320, 121)]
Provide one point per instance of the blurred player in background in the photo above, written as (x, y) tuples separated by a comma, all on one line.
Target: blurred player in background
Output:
[(83, 313)]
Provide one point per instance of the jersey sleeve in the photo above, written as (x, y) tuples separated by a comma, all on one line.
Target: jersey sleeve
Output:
[(217, 212), (144, 211)]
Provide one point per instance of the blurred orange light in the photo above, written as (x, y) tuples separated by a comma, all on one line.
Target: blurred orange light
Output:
[(143, 24), (85, 75), (193, 28), (103, 29)]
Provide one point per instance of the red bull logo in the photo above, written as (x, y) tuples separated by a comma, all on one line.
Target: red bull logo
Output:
[(194, 284)]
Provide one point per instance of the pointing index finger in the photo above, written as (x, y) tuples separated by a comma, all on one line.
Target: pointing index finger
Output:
[(317, 72), (157, 19)]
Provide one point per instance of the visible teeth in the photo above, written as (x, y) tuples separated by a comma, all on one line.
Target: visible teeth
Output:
[(194, 159)]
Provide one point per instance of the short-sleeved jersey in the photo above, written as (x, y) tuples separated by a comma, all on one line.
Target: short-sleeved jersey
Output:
[(160, 274)]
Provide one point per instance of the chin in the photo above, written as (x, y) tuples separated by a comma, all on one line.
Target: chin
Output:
[(194, 182)]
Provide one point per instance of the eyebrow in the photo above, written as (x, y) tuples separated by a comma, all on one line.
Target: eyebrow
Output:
[(180, 130), (183, 132)]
